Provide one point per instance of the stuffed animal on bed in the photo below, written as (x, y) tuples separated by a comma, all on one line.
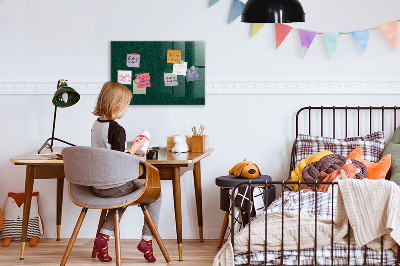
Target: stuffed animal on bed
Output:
[(296, 174), (245, 169), (13, 215), (348, 170), (317, 171)]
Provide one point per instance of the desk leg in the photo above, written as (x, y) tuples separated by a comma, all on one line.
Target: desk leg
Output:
[(60, 190), (27, 206), (176, 182), (197, 189)]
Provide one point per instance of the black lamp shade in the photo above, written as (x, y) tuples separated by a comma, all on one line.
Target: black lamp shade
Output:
[(273, 11), (65, 96)]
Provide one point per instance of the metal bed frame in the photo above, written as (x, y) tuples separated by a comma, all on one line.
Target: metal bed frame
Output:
[(283, 184)]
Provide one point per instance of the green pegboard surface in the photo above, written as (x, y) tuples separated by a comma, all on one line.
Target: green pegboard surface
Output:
[(153, 60)]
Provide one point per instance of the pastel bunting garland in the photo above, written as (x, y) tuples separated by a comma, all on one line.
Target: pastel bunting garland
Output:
[(306, 39), (237, 8), (389, 30), (256, 27), (281, 31), (361, 37), (213, 2), (332, 41)]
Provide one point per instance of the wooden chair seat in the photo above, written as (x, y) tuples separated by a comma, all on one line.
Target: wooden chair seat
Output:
[(82, 196)]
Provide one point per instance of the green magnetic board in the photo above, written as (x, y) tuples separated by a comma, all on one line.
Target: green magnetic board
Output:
[(153, 60)]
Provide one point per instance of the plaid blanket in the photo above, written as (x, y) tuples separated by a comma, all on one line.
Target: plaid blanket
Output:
[(323, 205)]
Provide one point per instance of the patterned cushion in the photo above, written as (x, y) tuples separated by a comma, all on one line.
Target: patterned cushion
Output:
[(372, 144)]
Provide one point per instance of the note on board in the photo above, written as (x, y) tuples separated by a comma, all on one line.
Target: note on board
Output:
[(136, 90), (192, 74), (124, 76), (170, 79), (180, 69), (133, 60), (144, 80), (174, 56)]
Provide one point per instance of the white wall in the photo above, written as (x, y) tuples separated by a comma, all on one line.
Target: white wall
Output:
[(42, 41)]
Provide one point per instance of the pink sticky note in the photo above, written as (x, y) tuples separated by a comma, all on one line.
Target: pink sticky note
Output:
[(144, 80), (124, 76)]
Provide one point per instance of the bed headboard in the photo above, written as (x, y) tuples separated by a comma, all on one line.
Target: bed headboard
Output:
[(344, 121)]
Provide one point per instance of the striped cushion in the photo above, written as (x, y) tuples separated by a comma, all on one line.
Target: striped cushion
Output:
[(13, 228), (372, 145)]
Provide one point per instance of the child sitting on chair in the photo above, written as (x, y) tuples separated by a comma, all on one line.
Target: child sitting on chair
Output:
[(112, 103)]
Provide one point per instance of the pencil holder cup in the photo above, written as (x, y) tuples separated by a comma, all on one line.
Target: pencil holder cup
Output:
[(200, 143)]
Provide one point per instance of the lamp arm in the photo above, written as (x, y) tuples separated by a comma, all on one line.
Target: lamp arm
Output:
[(54, 126)]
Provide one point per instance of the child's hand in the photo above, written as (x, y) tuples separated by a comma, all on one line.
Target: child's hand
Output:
[(137, 144), (143, 155)]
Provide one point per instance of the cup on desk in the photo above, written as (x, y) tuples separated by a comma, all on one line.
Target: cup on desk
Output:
[(152, 155)]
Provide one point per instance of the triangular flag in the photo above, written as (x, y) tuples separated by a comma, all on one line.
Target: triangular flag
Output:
[(281, 31), (213, 2), (237, 9), (361, 37), (306, 39), (332, 41), (390, 32), (256, 28)]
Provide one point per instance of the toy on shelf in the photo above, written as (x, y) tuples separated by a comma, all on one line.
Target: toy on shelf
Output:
[(245, 169), (180, 144), (13, 215)]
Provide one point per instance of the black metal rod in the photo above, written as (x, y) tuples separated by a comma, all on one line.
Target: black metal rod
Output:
[(370, 120), (309, 120), (334, 121), (249, 219), (54, 126), (266, 220), (381, 250), (348, 242), (333, 189), (315, 222), (322, 121), (346, 120), (358, 121), (283, 210), (298, 226)]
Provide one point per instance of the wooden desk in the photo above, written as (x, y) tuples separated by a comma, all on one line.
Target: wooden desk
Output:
[(171, 167)]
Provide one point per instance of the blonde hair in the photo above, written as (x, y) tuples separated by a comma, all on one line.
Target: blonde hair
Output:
[(112, 99)]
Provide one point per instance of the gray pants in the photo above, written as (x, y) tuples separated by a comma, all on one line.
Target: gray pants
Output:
[(154, 208)]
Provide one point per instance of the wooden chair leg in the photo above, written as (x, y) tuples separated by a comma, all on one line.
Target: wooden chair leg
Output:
[(223, 229), (154, 230), (117, 238), (101, 222), (73, 237)]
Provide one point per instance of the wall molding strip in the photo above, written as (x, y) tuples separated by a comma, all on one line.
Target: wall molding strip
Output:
[(231, 87)]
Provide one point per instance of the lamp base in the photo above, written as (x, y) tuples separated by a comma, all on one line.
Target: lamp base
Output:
[(50, 146)]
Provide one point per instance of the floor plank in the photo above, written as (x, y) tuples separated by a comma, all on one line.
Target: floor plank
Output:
[(50, 252)]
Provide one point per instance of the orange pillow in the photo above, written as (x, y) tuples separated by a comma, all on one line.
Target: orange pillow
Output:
[(375, 170)]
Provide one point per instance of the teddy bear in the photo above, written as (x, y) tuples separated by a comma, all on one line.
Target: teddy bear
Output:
[(348, 170), (180, 144), (245, 169), (13, 215)]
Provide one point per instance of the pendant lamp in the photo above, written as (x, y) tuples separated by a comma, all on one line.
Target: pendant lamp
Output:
[(272, 11), (64, 96)]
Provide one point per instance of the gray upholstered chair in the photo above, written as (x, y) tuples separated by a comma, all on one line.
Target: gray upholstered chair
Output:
[(85, 167)]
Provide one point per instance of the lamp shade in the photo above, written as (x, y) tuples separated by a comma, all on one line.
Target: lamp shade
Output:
[(273, 11), (65, 96)]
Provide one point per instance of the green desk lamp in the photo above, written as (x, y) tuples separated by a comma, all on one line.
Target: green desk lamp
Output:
[(65, 96)]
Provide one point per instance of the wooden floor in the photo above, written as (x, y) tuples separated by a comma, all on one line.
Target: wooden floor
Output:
[(50, 252)]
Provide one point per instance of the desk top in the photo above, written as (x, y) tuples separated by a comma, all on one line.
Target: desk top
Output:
[(164, 157)]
